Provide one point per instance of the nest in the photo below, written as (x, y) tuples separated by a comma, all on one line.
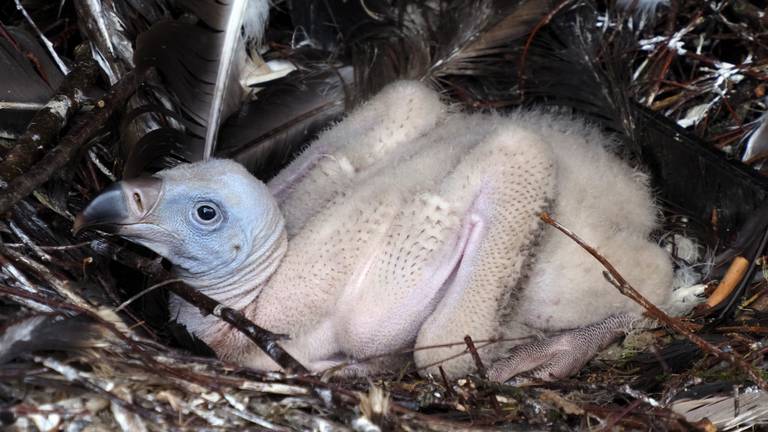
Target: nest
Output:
[(105, 358)]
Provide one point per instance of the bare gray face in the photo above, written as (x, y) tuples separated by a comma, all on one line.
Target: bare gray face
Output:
[(207, 218)]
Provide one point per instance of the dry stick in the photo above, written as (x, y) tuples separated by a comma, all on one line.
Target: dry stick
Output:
[(652, 311), (482, 371), (446, 384), (46, 124), (264, 339), (476, 357), (544, 21), (70, 145), (74, 375)]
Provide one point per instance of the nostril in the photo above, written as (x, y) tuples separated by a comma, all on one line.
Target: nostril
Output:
[(137, 201), (142, 193)]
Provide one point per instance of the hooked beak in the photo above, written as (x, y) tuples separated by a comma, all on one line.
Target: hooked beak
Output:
[(126, 202)]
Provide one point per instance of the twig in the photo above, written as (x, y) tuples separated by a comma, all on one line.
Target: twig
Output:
[(70, 145), (62, 286), (481, 371), (613, 420), (7, 267), (543, 22), (476, 357), (264, 339), (143, 292), (48, 122), (652, 311), (448, 389), (126, 257), (50, 248), (125, 336)]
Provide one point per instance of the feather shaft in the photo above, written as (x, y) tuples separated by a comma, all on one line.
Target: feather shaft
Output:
[(231, 41)]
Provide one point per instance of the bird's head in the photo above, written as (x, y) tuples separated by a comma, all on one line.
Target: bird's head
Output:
[(213, 220)]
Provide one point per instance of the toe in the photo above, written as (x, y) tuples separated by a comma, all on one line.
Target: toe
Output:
[(550, 365), (562, 365), (521, 359)]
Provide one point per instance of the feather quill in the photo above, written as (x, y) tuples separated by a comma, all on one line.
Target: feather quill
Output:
[(234, 21), (201, 64)]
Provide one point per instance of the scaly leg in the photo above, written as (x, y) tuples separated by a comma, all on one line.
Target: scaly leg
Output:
[(560, 356)]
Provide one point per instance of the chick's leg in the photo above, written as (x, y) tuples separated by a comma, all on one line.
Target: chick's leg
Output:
[(372, 133), (563, 355), (502, 185)]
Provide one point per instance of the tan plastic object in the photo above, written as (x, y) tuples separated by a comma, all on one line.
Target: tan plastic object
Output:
[(732, 278)]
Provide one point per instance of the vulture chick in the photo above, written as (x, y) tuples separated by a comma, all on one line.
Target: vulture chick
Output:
[(408, 225)]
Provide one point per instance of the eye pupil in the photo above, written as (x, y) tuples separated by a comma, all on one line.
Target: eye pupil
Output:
[(206, 212)]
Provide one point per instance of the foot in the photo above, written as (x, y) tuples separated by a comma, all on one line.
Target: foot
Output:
[(563, 355)]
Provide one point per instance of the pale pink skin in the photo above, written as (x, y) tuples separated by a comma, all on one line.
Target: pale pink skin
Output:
[(408, 226)]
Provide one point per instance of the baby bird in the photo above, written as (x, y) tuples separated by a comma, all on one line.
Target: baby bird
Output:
[(404, 228)]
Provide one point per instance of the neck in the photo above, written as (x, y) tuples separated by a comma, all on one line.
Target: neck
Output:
[(239, 283)]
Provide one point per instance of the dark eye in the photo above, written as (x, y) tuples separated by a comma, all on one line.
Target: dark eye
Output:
[(206, 212)]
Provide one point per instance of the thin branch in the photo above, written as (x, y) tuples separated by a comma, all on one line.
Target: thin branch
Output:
[(264, 339), (143, 292), (543, 22), (476, 357), (654, 312), (482, 371)]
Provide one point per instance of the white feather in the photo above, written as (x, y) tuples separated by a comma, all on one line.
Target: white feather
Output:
[(255, 21)]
